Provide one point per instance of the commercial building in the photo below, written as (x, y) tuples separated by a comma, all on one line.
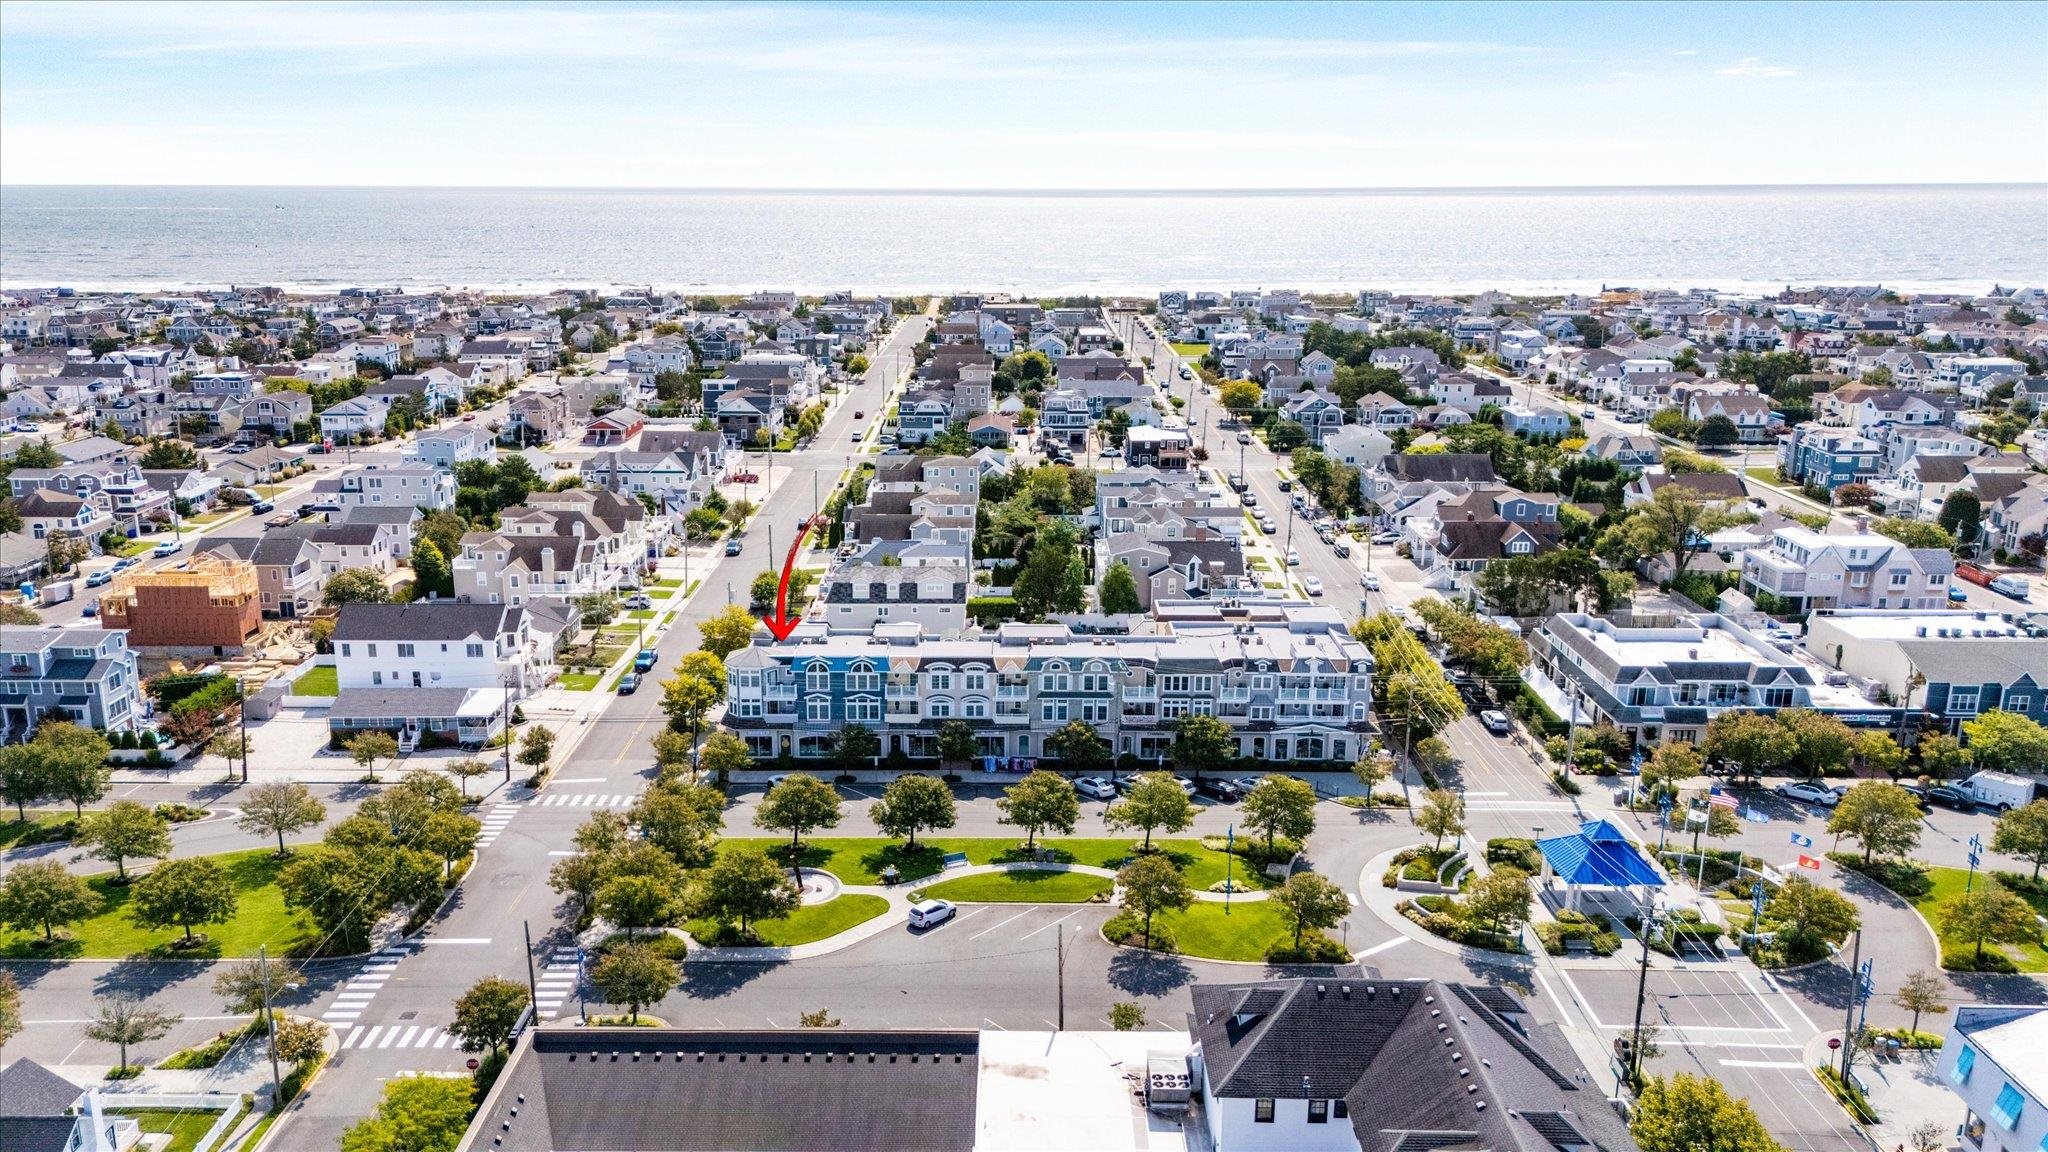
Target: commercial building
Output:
[(1995, 1059), (1286, 676), (85, 675), (1947, 665)]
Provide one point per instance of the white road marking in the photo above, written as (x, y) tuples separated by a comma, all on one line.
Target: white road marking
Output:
[(993, 1024), (1789, 1065), (458, 940), (1054, 924), (580, 780), (1376, 949), (993, 927), (406, 1040), (349, 1041)]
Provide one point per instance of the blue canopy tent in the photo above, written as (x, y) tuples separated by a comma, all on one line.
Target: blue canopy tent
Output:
[(1598, 855)]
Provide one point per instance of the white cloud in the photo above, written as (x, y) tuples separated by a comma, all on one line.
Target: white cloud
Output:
[(1687, 52), (1754, 66)]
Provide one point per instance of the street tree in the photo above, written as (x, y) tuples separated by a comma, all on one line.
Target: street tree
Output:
[(2023, 832), (1942, 756), (1126, 1016), (1372, 769), (368, 748), (1686, 1113), (348, 883), (681, 819), (706, 666), (723, 754), (486, 1014), (10, 1008), (239, 983), (1041, 801), (746, 886), (466, 769), (1961, 516), (1755, 741), (122, 830), (1674, 516), (1669, 767), (727, 631), (1051, 578), (1119, 590), (1923, 993), (43, 895), (123, 1020), (1241, 397), (956, 741), (1155, 801), (1988, 913), (634, 975), (636, 901), (1153, 883), (1076, 747), (24, 778), (1308, 902), (1499, 899), (797, 805), (1820, 742), (280, 809), (449, 835), (231, 745), (1442, 814), (1878, 752), (2003, 741), (536, 748), (415, 1114), (855, 746), (1433, 756), (912, 803), (196, 890), (1280, 806), (1883, 818), (1202, 744), (1808, 917), (674, 756), (75, 762), (688, 699)]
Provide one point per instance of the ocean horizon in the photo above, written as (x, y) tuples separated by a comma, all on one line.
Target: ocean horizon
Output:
[(1914, 237)]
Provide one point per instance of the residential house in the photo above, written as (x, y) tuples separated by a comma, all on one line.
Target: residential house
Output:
[(212, 605), (558, 545), (273, 415), (1177, 568), (1168, 448), (1360, 447), (1807, 570), (83, 674), (358, 416), (1625, 449), (1919, 486), (537, 418), (1536, 422), (1378, 410), (1319, 413), (288, 570), (1827, 457), (1749, 412), (444, 448), (432, 671), (390, 486), (46, 513)]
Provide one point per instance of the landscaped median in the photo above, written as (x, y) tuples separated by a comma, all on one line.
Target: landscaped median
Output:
[(260, 919), (805, 925), (860, 860), (1021, 886)]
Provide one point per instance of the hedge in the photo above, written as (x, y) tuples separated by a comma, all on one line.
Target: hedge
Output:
[(989, 611)]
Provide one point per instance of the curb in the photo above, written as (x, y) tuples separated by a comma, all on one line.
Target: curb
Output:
[(1353, 958)]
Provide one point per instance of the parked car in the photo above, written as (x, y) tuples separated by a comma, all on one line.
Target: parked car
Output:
[(639, 601), (1313, 585), (283, 520), (644, 661), (260, 507), (1244, 437), (469, 417), (1809, 792), (732, 545), (1371, 580), (1237, 483), (103, 576), (1957, 596), (1095, 788), (1221, 789), (1245, 783), (1386, 537), (1268, 525), (1950, 796), (931, 913), (1250, 499), (1186, 785), (1495, 721), (629, 683), (1293, 558)]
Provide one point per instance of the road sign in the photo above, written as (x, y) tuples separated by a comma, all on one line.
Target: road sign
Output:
[(1976, 858), (1976, 842)]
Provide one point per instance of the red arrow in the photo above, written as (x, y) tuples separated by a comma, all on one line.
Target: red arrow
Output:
[(781, 623)]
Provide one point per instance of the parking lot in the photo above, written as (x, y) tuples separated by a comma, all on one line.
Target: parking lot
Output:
[(1735, 1025)]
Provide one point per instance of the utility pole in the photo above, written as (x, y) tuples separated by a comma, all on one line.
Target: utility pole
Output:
[(270, 1025), (1635, 1043), (1060, 951), (242, 707), (532, 985), (507, 681), (1849, 1013)]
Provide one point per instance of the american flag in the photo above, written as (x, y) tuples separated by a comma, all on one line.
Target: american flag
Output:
[(1720, 799)]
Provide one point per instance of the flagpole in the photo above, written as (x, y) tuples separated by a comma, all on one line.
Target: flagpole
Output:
[(1229, 853)]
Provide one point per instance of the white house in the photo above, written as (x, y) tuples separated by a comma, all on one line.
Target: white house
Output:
[(360, 415), (1995, 1059), (432, 670)]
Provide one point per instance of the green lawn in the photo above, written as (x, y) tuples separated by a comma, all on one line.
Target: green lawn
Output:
[(185, 1127), (12, 830), (809, 923), (134, 547), (1191, 351), (1765, 475), (1024, 887), (666, 584), (321, 680), (578, 681), (261, 918), (1948, 884), (860, 859), (1245, 933), (639, 614), (210, 517)]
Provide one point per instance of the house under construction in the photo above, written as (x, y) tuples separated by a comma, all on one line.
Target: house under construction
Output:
[(213, 604)]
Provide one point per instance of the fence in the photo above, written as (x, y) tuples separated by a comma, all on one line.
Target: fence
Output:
[(229, 1104)]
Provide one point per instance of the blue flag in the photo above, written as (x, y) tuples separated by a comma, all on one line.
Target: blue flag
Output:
[(1756, 816), (1802, 841)]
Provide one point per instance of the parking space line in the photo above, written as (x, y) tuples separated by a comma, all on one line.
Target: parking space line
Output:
[(1792, 1065), (993, 927), (1054, 924)]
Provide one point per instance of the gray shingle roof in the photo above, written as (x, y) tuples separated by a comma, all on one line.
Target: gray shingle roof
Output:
[(29, 1089), (423, 620)]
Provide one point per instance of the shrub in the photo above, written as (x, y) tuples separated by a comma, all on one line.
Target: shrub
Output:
[(1516, 850), (989, 611), (1904, 877), (1565, 783), (180, 813), (1596, 931), (1129, 928), (1908, 1038), (1963, 958), (666, 945), (1316, 948)]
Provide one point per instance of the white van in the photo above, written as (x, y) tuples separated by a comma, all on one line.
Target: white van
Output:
[(931, 913), (2010, 585), (1999, 791)]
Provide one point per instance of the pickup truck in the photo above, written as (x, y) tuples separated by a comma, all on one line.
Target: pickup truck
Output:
[(283, 520)]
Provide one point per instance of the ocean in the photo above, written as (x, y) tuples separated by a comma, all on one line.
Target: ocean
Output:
[(1918, 237)]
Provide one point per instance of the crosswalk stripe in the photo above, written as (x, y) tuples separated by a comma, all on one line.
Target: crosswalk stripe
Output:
[(389, 1037), (442, 1040), (370, 1037), (339, 1017), (354, 1034), (406, 1040)]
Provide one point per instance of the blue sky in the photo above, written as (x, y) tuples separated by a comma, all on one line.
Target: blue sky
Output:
[(1022, 96)]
